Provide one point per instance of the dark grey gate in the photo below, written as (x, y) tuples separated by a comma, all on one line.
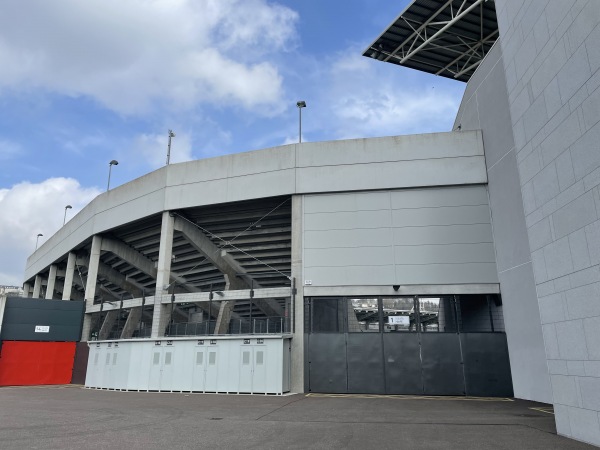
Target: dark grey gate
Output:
[(402, 367), (365, 363), (328, 370), (346, 356), (486, 365), (442, 364)]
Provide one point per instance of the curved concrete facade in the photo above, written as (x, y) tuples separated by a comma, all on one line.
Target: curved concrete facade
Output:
[(355, 165)]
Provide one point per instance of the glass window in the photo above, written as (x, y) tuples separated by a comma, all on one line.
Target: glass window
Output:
[(398, 314), (327, 315), (363, 315), (429, 310)]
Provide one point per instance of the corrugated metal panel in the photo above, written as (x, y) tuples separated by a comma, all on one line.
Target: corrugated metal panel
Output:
[(33, 363), (32, 319)]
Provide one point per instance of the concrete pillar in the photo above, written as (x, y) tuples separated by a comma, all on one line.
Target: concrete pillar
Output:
[(69, 273), (297, 356), (90, 286), (108, 324), (37, 287), (224, 317), (26, 290), (133, 319), (51, 282), (161, 313)]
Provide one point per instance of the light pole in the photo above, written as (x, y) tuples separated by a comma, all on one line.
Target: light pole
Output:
[(65, 216), (114, 162), (37, 239), (171, 135), (301, 104)]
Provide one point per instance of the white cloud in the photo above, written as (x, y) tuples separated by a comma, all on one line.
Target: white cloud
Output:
[(365, 98), (32, 208), (136, 56)]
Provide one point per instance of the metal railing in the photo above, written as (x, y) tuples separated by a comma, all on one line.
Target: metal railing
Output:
[(269, 325)]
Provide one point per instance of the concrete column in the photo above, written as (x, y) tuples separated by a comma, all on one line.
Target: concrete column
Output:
[(297, 356), (26, 290), (69, 274), (224, 317), (37, 287), (108, 324), (133, 319), (90, 286), (161, 313), (51, 282)]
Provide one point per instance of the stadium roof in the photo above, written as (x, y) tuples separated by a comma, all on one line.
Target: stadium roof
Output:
[(444, 37)]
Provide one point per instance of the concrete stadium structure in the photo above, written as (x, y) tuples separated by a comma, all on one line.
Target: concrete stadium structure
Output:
[(373, 265)]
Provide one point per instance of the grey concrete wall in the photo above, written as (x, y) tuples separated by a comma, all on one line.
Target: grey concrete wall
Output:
[(551, 57), (377, 163), (399, 237), (485, 106)]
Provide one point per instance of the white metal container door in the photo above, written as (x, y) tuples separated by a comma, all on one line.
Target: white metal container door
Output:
[(199, 370), (155, 368), (183, 366), (166, 379), (142, 371), (212, 369), (246, 356), (114, 369), (259, 376), (93, 367)]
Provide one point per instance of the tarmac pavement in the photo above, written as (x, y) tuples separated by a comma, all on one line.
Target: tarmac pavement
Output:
[(71, 417)]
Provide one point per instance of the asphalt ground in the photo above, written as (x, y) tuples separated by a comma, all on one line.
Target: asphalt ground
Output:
[(71, 417)]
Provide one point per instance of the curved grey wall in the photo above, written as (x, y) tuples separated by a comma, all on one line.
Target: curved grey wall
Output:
[(352, 165)]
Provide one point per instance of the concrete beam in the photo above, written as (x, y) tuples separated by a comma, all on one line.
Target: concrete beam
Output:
[(69, 274), (161, 315), (76, 295), (141, 262), (224, 317), (51, 282), (37, 286), (235, 275), (108, 324), (132, 322), (297, 355), (116, 278), (225, 263), (90, 286)]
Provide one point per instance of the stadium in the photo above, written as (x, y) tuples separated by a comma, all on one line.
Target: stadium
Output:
[(455, 263)]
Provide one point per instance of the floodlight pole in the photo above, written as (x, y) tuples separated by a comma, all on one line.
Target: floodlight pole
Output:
[(301, 104), (114, 162), (37, 239), (171, 135), (65, 216)]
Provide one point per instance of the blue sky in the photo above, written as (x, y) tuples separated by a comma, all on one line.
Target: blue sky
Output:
[(86, 82)]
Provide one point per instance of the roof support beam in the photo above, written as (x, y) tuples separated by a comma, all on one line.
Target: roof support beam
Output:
[(236, 276), (219, 258), (440, 31), (139, 261)]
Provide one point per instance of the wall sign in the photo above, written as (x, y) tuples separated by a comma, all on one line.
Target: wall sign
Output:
[(399, 320), (42, 329)]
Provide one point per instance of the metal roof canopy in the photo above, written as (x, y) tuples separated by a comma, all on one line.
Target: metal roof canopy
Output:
[(444, 37)]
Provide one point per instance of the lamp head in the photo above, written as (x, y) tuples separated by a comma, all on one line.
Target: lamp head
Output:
[(301, 104), (114, 162), (171, 134), (39, 234), (68, 207)]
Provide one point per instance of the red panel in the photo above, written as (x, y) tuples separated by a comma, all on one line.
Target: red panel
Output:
[(30, 363)]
